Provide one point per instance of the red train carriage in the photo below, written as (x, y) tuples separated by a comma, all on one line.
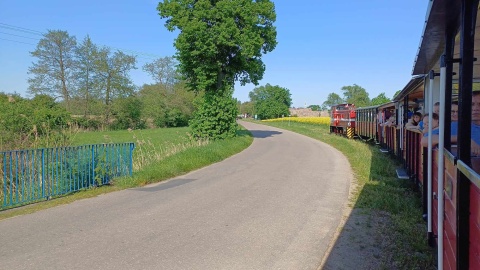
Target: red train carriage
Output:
[(447, 166), (342, 120)]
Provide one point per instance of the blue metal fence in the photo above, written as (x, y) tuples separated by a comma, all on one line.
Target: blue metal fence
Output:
[(27, 176)]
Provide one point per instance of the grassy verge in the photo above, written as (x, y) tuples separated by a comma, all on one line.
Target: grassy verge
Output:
[(160, 154), (378, 191)]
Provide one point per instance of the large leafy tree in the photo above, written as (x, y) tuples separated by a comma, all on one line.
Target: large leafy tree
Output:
[(332, 99), (380, 99), (356, 94), (220, 42), (271, 101), (52, 73)]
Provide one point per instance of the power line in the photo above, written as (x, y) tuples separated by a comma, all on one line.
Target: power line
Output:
[(18, 35), (17, 41), (21, 29), (35, 32)]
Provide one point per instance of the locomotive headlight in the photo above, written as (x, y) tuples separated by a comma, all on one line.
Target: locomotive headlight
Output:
[(349, 124)]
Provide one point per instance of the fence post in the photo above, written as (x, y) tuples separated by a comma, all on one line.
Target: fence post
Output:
[(93, 165), (43, 173), (132, 146), (4, 178)]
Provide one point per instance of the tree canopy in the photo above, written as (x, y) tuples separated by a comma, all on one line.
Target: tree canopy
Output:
[(271, 101), (220, 42), (315, 107), (163, 71), (380, 99), (52, 73), (332, 99), (356, 95)]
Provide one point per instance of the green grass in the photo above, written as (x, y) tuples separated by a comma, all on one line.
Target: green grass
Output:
[(380, 191), (159, 154), (157, 136)]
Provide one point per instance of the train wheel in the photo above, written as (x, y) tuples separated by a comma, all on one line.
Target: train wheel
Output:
[(350, 132)]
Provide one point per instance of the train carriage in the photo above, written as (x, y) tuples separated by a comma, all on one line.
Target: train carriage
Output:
[(447, 168), (366, 121), (447, 54)]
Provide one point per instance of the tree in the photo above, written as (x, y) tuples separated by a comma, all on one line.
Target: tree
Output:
[(31, 123), (163, 71), (332, 99), (86, 78), (128, 113), (52, 73), (113, 69), (356, 95), (271, 101), (220, 42), (396, 93), (247, 108), (315, 107), (167, 108), (380, 99)]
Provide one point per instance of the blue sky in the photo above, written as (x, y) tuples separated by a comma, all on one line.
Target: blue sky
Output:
[(322, 45)]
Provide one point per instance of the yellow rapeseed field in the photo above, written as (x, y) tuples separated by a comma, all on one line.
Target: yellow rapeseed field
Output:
[(309, 120)]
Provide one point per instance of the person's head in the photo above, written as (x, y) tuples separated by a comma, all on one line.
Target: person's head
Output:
[(436, 107), (416, 118), (454, 111), (476, 107), (434, 121)]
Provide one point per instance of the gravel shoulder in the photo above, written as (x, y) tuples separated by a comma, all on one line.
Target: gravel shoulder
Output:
[(362, 240)]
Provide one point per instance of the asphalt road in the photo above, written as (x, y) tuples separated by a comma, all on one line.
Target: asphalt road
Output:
[(275, 205)]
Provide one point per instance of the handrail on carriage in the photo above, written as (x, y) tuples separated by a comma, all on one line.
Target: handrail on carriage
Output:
[(473, 176)]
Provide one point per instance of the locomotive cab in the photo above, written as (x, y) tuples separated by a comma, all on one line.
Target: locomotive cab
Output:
[(342, 120)]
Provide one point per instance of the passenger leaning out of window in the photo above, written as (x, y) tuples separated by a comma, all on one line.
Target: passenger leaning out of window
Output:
[(413, 123), (435, 130)]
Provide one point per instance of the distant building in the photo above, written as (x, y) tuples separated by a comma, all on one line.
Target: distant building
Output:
[(307, 112)]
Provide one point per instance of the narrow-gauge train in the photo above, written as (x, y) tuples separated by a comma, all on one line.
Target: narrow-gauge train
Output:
[(443, 160), (343, 119)]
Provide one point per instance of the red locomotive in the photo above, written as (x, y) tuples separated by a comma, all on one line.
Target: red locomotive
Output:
[(343, 120)]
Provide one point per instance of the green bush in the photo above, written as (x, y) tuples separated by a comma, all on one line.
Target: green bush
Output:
[(215, 117)]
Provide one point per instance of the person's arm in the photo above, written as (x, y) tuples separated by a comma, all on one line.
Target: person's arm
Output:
[(474, 149), (424, 140), (409, 124)]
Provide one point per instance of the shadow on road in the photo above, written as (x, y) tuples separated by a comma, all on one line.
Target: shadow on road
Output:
[(162, 186), (261, 134)]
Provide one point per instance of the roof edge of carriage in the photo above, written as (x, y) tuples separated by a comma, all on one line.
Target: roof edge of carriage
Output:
[(440, 13), (411, 86)]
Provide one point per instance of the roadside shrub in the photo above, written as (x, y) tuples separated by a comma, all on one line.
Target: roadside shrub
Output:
[(215, 117)]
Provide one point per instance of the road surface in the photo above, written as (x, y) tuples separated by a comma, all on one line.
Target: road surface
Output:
[(276, 205)]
